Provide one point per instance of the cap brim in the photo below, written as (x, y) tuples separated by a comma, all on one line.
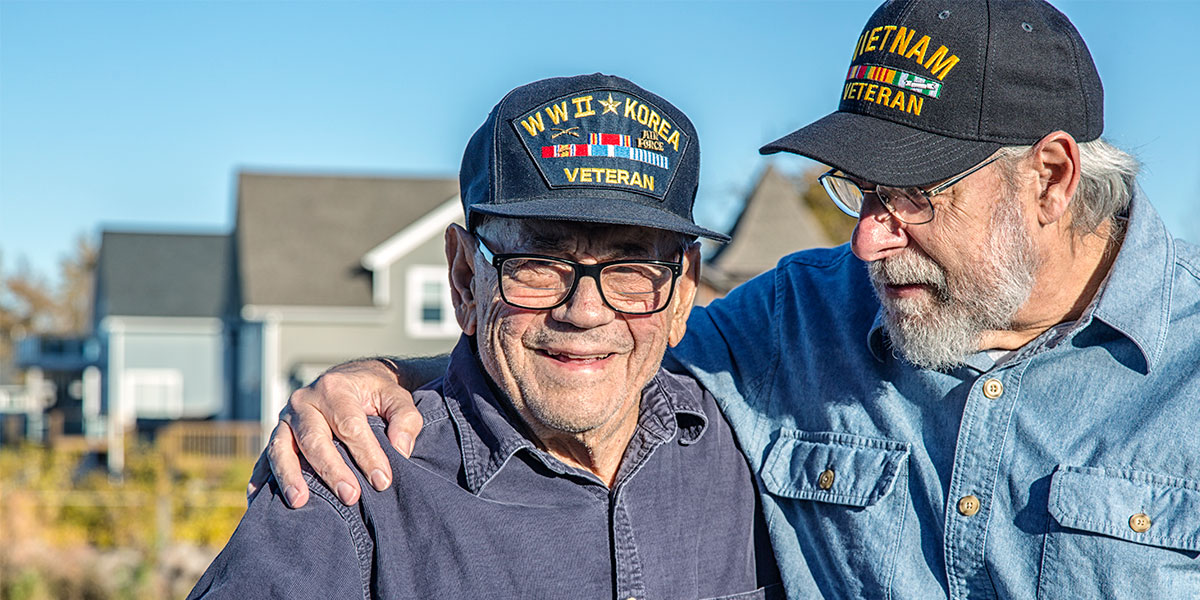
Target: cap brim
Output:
[(881, 151), (608, 211)]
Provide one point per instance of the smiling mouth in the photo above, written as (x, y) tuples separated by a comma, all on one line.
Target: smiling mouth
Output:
[(576, 359)]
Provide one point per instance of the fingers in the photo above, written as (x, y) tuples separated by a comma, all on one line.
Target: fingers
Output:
[(312, 436), (285, 463), (350, 426), (258, 477), (336, 404), (403, 419)]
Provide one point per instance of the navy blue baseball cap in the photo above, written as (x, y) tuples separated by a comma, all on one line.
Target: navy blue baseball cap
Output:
[(591, 148), (937, 86)]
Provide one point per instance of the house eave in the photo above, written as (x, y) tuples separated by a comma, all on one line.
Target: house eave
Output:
[(313, 314), (413, 236)]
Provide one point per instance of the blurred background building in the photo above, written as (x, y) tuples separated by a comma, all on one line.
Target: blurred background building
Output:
[(220, 327)]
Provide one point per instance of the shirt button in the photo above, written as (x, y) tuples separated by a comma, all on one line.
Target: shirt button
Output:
[(993, 389), (825, 481), (968, 505), (1139, 523)]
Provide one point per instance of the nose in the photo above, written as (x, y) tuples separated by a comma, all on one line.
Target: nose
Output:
[(879, 234), (585, 308)]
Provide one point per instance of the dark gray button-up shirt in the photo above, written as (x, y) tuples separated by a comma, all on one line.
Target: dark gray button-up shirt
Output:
[(480, 512)]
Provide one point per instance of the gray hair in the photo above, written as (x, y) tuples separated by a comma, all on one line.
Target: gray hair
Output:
[(1108, 178)]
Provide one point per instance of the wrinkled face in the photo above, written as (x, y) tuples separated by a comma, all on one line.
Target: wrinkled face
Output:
[(580, 366), (968, 271)]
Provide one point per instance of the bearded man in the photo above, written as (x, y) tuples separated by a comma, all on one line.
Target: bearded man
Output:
[(993, 391)]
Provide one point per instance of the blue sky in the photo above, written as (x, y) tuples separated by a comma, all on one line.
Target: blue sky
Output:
[(139, 115)]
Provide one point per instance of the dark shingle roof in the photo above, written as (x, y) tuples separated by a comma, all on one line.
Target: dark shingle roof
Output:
[(301, 239), (162, 274), (774, 222)]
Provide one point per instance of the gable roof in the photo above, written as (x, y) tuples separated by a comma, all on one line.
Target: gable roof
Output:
[(301, 239), (162, 274), (417, 233), (774, 222)]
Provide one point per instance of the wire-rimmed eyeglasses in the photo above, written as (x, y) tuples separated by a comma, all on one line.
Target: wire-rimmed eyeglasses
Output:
[(910, 205), (539, 282)]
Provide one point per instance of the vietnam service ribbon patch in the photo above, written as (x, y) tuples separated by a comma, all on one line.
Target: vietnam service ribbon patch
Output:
[(900, 79)]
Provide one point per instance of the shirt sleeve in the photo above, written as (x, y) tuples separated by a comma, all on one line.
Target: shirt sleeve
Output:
[(731, 345), (277, 552)]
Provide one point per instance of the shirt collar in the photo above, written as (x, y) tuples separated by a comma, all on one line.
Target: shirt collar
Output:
[(486, 435), (668, 405), (489, 433), (1135, 298)]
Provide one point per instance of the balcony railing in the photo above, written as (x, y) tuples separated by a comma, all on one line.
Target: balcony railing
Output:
[(205, 440)]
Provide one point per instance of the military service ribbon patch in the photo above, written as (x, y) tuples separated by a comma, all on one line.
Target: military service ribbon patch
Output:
[(614, 150), (610, 139), (900, 79)]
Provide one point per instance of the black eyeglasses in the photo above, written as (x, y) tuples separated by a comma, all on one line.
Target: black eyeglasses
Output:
[(910, 204), (537, 282)]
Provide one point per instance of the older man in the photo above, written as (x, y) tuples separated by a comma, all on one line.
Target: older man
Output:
[(993, 391), (556, 459)]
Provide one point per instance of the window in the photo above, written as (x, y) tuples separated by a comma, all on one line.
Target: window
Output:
[(431, 302), (428, 313), (154, 393)]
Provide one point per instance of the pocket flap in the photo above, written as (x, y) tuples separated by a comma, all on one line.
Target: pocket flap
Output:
[(1146, 508), (832, 467)]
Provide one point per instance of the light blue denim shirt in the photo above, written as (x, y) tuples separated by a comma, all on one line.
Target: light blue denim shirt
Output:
[(1070, 470)]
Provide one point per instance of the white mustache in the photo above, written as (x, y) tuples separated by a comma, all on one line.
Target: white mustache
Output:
[(548, 339), (908, 268)]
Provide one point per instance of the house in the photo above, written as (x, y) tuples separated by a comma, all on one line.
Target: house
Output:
[(159, 317), (155, 352), (775, 221), (222, 327), (331, 268)]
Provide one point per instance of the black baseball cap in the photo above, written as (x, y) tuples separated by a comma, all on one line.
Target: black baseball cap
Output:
[(936, 86), (590, 148)]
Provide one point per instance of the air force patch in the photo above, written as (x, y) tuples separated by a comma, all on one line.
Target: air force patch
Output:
[(603, 139)]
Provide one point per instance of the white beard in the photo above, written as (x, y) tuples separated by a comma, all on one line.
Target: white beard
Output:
[(941, 331)]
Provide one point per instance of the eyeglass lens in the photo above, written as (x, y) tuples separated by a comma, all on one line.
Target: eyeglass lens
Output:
[(907, 204), (538, 283)]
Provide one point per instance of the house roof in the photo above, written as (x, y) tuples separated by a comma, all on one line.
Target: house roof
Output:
[(774, 222), (162, 274), (301, 239)]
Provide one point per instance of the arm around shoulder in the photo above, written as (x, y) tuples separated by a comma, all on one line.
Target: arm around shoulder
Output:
[(336, 405)]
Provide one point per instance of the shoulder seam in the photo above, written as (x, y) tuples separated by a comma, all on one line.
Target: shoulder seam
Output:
[(359, 536)]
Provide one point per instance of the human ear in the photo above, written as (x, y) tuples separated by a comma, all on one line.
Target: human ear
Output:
[(1055, 158), (685, 293), (460, 255)]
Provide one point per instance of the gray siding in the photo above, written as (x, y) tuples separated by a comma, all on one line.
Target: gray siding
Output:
[(171, 374), (247, 404), (305, 347)]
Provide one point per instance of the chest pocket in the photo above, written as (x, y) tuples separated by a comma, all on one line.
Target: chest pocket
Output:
[(845, 496), (1141, 530)]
